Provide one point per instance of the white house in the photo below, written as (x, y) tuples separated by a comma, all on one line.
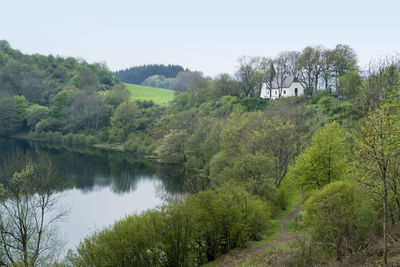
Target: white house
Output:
[(290, 87)]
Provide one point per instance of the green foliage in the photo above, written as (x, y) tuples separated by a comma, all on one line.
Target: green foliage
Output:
[(350, 84), (324, 161), (339, 214), (134, 241), (35, 113), (117, 95), (21, 106), (172, 148), (8, 117), (48, 125), (140, 144), (282, 198), (159, 81), (130, 117), (182, 233)]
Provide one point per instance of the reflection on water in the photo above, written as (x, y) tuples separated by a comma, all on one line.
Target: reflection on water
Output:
[(102, 186)]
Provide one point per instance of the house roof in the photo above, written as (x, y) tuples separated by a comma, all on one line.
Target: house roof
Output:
[(286, 83)]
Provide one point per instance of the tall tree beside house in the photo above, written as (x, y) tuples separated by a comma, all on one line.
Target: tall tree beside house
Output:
[(282, 70), (311, 65), (268, 72), (327, 68), (292, 62), (248, 74)]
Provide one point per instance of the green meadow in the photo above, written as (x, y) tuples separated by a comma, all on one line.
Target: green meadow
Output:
[(158, 95)]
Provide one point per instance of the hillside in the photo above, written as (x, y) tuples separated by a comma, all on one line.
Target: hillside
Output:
[(158, 95)]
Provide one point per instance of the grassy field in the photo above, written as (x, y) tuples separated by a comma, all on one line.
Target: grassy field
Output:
[(158, 95)]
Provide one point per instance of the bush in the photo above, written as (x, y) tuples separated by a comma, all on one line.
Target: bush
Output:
[(282, 198), (182, 233), (339, 215)]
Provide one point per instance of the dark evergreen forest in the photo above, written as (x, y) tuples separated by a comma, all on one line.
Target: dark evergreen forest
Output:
[(138, 74)]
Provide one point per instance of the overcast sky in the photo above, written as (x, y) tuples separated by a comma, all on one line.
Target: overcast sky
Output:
[(206, 35)]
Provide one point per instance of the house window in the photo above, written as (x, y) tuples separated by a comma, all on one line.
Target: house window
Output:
[(284, 92), (276, 92)]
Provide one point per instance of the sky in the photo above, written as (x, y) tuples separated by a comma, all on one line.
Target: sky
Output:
[(207, 35)]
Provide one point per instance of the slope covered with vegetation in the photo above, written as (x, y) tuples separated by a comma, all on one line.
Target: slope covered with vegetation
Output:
[(247, 161)]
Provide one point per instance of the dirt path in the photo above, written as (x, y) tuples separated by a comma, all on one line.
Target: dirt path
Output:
[(282, 237)]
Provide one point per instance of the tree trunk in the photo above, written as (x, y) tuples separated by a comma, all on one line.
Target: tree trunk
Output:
[(385, 220)]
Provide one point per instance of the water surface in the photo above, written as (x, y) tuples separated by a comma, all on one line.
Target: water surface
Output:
[(101, 187)]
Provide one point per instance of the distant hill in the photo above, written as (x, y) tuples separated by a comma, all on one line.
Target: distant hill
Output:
[(157, 95), (138, 74)]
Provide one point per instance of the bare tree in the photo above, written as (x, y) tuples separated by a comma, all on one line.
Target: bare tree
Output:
[(382, 80), (292, 62), (327, 67), (248, 74), (311, 65), (29, 213), (282, 71), (268, 73)]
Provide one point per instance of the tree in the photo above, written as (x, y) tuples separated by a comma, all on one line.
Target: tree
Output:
[(327, 67), (29, 213), (126, 119), (138, 74), (382, 81), (247, 74), (324, 161), (87, 79), (282, 71), (277, 139), (311, 65), (117, 95), (35, 113), (172, 148), (343, 59), (21, 106), (377, 157), (268, 73), (224, 85), (338, 216), (8, 117), (350, 85), (59, 103), (183, 80)]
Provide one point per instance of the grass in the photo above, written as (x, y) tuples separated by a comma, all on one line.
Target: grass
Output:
[(158, 95)]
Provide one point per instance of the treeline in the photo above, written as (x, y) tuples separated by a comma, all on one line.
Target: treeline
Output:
[(137, 75)]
